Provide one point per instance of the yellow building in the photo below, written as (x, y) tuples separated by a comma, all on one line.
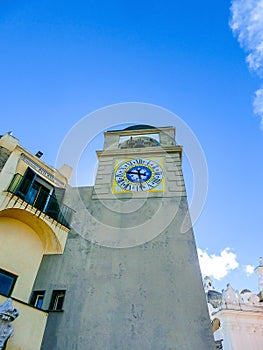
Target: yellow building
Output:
[(33, 222)]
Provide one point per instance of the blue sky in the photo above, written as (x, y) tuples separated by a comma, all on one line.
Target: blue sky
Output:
[(62, 60)]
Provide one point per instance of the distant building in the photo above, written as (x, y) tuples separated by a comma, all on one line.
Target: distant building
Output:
[(111, 266), (237, 317)]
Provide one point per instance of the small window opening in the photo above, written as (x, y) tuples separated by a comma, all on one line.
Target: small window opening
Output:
[(37, 298), (57, 300), (7, 282)]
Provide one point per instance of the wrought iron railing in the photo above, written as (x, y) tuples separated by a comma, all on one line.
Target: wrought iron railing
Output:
[(45, 202)]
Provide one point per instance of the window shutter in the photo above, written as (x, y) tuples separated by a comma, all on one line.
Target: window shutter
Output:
[(26, 182)]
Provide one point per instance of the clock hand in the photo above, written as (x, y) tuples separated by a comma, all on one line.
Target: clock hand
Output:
[(139, 174), (136, 173), (140, 178), (132, 172)]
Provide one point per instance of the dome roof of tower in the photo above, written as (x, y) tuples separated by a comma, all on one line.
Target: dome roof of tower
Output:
[(139, 127)]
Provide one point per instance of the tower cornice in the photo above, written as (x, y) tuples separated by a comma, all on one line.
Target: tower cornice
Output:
[(138, 151)]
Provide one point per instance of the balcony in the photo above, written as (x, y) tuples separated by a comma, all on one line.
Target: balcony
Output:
[(30, 193)]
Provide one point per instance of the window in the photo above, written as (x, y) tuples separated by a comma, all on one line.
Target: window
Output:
[(37, 298), (35, 190), (57, 300), (7, 282)]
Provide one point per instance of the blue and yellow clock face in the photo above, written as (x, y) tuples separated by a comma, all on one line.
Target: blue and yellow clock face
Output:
[(136, 175)]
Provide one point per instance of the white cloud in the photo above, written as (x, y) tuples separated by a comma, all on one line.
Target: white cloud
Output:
[(217, 266), (249, 269), (258, 104), (247, 24)]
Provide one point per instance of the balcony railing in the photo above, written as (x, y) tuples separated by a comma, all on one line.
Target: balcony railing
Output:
[(41, 199)]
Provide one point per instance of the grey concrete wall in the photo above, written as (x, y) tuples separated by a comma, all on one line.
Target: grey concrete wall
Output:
[(4, 155), (147, 297)]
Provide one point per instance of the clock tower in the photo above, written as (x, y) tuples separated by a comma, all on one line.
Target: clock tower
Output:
[(140, 159), (130, 269)]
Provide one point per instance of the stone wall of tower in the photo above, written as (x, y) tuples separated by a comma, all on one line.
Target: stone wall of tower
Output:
[(143, 297)]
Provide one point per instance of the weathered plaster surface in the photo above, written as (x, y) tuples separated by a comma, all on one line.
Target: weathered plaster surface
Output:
[(144, 297), (4, 155)]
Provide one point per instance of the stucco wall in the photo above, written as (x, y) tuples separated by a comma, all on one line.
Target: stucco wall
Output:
[(240, 329), (148, 296), (21, 254), (4, 155), (29, 327)]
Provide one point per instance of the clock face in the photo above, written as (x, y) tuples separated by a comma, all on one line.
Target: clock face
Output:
[(136, 175)]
